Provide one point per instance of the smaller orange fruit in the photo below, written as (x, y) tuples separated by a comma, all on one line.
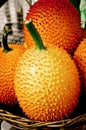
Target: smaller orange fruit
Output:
[(8, 60), (80, 60)]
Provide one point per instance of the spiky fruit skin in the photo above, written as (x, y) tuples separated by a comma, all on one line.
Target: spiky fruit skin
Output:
[(47, 84), (80, 60), (8, 63), (58, 23)]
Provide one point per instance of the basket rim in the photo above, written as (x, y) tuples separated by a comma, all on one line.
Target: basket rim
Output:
[(25, 123)]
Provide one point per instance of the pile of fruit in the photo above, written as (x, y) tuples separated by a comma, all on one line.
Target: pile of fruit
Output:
[(47, 73)]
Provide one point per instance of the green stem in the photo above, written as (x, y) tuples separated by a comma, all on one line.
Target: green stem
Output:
[(29, 2), (4, 39), (35, 35)]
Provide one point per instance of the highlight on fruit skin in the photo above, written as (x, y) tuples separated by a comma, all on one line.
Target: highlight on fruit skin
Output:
[(80, 60), (9, 56), (58, 23), (46, 82)]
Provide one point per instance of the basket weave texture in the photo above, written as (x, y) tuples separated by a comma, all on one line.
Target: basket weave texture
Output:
[(25, 124)]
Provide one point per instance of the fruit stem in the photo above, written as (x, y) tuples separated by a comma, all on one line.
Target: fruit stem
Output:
[(35, 35), (4, 39), (29, 2)]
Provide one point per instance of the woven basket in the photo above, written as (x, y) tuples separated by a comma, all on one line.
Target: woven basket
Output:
[(21, 122)]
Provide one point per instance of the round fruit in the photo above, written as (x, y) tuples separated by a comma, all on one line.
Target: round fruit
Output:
[(8, 60), (46, 82), (58, 23), (80, 60)]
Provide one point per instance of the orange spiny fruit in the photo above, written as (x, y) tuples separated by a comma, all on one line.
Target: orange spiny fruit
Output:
[(80, 60), (46, 82), (8, 60), (58, 23)]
